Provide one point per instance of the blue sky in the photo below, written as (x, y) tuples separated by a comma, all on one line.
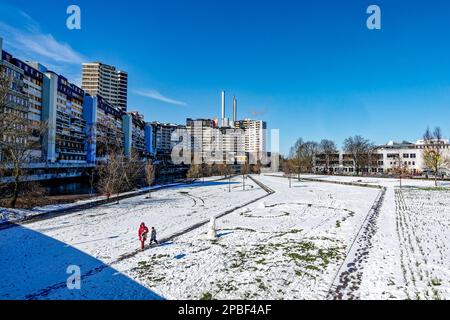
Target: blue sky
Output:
[(310, 68)]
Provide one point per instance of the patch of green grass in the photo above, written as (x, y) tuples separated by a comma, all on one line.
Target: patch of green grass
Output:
[(299, 273), (313, 268), (442, 189), (243, 229), (436, 282), (207, 296)]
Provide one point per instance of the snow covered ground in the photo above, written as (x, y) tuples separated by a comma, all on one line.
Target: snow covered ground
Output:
[(409, 253), (287, 246), (15, 215), (315, 240), (34, 257)]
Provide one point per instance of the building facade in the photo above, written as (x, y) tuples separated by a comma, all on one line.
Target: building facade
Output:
[(384, 160), (103, 128), (80, 129), (159, 139), (106, 81), (255, 135), (25, 93), (62, 112), (138, 136), (213, 144)]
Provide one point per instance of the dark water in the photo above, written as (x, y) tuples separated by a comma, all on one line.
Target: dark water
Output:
[(81, 186), (68, 187)]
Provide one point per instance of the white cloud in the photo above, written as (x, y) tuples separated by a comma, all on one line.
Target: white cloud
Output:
[(153, 94), (40, 44), (23, 37)]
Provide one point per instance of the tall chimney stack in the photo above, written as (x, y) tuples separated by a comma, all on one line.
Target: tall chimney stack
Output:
[(234, 110), (223, 108)]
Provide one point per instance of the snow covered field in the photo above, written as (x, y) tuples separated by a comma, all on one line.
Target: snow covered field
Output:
[(288, 246), (315, 240), (408, 256), (34, 257)]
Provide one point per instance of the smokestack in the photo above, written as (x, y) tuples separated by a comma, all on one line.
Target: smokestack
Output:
[(223, 108), (234, 110)]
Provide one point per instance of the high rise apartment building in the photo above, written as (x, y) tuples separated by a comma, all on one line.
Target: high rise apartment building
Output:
[(255, 134), (25, 94), (63, 114), (106, 81)]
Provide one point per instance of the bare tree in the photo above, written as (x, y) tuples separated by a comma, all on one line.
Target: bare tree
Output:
[(226, 170), (222, 170), (288, 169), (108, 138), (433, 154), (20, 139), (92, 173), (3, 183), (360, 150), (327, 148), (256, 168), (303, 156), (245, 170), (134, 171), (194, 172), (401, 168), (111, 176), (204, 170), (150, 172), (296, 154), (213, 169), (120, 173)]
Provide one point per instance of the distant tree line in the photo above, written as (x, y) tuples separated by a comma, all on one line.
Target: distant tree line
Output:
[(303, 155)]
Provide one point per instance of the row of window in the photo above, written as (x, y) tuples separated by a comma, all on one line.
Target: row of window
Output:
[(18, 100)]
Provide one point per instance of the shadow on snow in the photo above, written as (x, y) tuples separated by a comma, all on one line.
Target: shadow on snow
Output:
[(33, 267)]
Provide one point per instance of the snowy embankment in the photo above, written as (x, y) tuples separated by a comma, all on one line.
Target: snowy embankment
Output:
[(34, 257), (8, 215)]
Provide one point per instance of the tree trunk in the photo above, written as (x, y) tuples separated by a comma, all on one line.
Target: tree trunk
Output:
[(15, 195), (243, 182)]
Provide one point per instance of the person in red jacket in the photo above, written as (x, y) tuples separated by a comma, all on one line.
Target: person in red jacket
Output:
[(143, 232)]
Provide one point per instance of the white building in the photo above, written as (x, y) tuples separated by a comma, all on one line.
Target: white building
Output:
[(106, 81), (212, 144), (255, 135), (385, 159)]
